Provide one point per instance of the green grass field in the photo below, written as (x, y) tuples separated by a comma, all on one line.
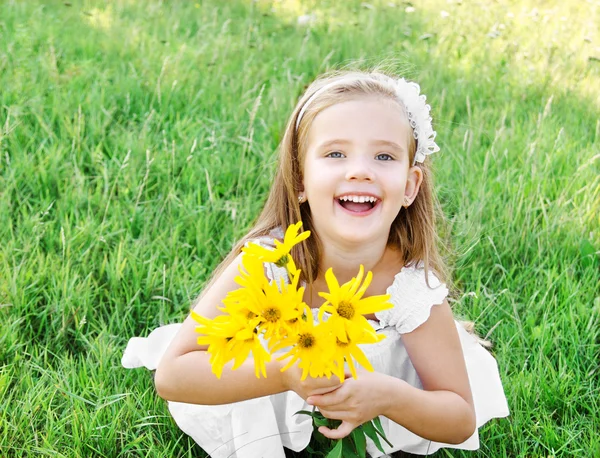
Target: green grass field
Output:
[(136, 144)]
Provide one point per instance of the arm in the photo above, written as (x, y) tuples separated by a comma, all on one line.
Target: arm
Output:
[(443, 411), (184, 373)]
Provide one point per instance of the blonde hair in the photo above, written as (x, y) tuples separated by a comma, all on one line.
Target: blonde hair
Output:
[(413, 232)]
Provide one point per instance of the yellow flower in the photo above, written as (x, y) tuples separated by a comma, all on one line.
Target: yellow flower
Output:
[(345, 351), (252, 272), (243, 344), (278, 306), (313, 347), (273, 308), (280, 256), (217, 333), (347, 307), (230, 337), (252, 280)]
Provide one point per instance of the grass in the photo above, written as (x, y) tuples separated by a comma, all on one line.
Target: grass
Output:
[(136, 144)]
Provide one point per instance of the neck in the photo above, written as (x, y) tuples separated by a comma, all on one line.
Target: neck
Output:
[(345, 259)]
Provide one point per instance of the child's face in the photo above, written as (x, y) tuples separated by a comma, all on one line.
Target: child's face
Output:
[(358, 150)]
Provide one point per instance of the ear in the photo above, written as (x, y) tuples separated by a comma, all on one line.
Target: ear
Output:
[(413, 183)]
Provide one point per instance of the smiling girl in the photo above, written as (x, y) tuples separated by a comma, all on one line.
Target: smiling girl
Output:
[(353, 168)]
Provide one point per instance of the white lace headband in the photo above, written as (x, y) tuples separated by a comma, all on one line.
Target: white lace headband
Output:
[(416, 109)]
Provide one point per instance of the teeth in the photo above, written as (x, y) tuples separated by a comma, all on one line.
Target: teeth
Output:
[(358, 199)]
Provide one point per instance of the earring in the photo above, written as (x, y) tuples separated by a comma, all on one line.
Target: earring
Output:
[(301, 198), (406, 202)]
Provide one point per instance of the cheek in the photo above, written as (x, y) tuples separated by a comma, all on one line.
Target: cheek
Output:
[(395, 179), (316, 178)]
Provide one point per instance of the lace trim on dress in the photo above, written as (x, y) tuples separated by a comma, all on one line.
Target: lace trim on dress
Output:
[(412, 299)]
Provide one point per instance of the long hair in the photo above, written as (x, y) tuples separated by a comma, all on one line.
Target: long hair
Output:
[(413, 232)]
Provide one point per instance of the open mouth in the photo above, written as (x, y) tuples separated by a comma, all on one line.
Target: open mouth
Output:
[(358, 204)]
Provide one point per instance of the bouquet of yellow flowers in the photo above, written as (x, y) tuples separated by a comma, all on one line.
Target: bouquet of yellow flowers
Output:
[(263, 312)]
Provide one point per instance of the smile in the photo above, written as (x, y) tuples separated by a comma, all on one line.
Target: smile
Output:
[(358, 204)]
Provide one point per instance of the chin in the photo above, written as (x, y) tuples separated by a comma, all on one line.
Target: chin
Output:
[(355, 235)]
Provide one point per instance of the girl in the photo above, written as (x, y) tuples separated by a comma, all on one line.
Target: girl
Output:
[(353, 169)]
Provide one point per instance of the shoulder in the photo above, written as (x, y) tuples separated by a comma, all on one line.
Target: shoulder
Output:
[(416, 276), (413, 293)]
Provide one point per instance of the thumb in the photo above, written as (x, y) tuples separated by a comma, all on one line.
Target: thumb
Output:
[(342, 431)]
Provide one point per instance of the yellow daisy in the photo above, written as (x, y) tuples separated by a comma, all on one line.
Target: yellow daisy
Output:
[(252, 272), (230, 337), (252, 280), (216, 334), (245, 342), (238, 305), (279, 305), (347, 307), (271, 307), (280, 256), (346, 351), (313, 347)]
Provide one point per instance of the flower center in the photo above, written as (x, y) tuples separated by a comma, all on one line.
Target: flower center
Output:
[(306, 340), (282, 262), (345, 310), (272, 314)]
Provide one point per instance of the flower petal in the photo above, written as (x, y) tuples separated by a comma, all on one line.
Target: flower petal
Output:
[(355, 282), (332, 282), (360, 358), (365, 285), (374, 304)]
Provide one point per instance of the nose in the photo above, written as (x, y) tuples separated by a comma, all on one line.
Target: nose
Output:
[(359, 169)]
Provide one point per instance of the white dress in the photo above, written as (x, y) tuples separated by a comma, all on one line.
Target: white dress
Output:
[(261, 427)]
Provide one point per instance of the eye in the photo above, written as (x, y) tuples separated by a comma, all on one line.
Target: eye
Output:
[(335, 155), (384, 157)]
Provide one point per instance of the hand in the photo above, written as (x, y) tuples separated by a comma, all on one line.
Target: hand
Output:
[(354, 403), (310, 386)]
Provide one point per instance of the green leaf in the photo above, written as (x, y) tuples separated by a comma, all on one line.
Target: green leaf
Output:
[(313, 452), (318, 418), (333, 424), (370, 431), (322, 421), (377, 423), (360, 441), (336, 452), (321, 439), (306, 412), (349, 448)]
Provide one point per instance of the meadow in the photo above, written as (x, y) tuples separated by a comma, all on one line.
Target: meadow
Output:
[(137, 142)]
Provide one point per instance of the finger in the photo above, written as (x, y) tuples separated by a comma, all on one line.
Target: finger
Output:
[(323, 384), (342, 431), (323, 390), (328, 400), (333, 414)]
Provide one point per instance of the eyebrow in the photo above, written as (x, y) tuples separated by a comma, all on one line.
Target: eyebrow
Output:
[(375, 143)]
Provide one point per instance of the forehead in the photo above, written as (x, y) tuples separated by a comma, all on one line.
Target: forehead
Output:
[(360, 120)]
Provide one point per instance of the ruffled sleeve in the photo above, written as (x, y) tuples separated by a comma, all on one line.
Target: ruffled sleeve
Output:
[(412, 299)]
